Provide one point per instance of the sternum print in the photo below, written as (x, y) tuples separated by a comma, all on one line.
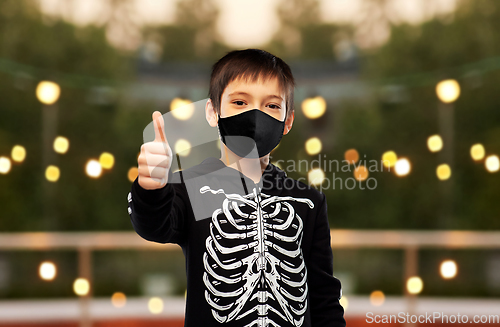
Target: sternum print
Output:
[(254, 264)]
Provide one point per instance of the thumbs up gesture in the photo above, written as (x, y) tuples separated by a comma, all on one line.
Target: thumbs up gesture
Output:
[(155, 158)]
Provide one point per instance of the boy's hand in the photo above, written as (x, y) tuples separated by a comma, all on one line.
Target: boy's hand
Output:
[(155, 158)]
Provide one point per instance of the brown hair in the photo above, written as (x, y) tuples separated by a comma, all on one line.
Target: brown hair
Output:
[(250, 64)]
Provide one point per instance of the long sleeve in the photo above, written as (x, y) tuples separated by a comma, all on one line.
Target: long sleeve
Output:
[(158, 215), (324, 289)]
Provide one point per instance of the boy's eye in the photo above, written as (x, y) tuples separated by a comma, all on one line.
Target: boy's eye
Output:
[(239, 103), (274, 106)]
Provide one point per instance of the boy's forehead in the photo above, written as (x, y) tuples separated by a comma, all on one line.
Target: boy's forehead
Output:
[(268, 86)]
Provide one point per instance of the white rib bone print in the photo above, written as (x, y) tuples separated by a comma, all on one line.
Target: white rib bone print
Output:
[(267, 233)]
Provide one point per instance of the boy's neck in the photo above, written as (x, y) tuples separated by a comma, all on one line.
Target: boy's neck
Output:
[(250, 167)]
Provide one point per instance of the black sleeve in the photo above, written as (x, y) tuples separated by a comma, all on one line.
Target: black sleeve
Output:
[(158, 215), (324, 288)]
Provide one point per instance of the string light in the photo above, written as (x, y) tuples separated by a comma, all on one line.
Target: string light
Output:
[(448, 90), (351, 156), (361, 173), (414, 285), (377, 298), (132, 174), (48, 92), (389, 159), (448, 269), (477, 152), (492, 163), (81, 286), (181, 109), (118, 299), (18, 153), (47, 270), (316, 176), (155, 305), (106, 160), (52, 173), (435, 143), (61, 144), (443, 172), (4, 165), (93, 168), (314, 108), (313, 146), (402, 167), (182, 147)]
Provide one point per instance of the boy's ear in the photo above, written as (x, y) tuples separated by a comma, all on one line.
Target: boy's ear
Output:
[(210, 113), (288, 123)]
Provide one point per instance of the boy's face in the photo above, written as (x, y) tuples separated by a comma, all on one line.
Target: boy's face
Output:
[(240, 96)]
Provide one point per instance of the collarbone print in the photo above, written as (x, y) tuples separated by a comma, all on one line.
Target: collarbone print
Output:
[(253, 261)]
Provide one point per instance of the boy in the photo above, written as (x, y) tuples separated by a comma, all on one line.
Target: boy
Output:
[(262, 256)]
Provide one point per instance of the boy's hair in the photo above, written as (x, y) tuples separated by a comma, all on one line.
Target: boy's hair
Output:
[(250, 64)]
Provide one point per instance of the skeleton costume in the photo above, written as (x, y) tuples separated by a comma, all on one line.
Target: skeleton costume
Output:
[(257, 255)]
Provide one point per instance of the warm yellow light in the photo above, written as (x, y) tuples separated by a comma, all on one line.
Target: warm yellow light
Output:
[(377, 298), (93, 168), (361, 173), (435, 143), (155, 305), (448, 90), (492, 163), (47, 270), (443, 172), (351, 156), (182, 147), (52, 173), (48, 92), (107, 160), (316, 176), (414, 285), (81, 286), (477, 151), (18, 153), (314, 107), (118, 299), (182, 109), (448, 269), (61, 144), (402, 167), (313, 146), (4, 165), (132, 174), (389, 159), (344, 302)]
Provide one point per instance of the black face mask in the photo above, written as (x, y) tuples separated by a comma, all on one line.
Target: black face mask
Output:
[(241, 133)]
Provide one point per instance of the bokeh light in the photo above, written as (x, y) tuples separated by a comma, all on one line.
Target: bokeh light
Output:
[(314, 107), (313, 146), (5, 165), (118, 299), (361, 173), (107, 160), (443, 172), (402, 167), (448, 269), (316, 176), (61, 144), (448, 90), (155, 305), (81, 286), (377, 298), (182, 147), (389, 159), (132, 173), (435, 143), (47, 270), (93, 168), (48, 92), (414, 285), (52, 173), (477, 151), (351, 156), (492, 163), (18, 153), (182, 109)]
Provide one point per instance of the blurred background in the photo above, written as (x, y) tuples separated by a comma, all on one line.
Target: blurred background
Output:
[(411, 82)]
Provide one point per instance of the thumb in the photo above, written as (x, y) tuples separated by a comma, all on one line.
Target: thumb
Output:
[(159, 127)]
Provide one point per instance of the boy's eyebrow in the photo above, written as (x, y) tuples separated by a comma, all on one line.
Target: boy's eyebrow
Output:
[(244, 93)]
